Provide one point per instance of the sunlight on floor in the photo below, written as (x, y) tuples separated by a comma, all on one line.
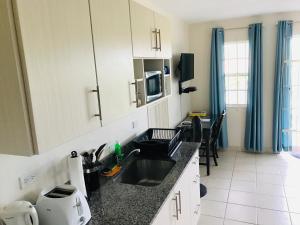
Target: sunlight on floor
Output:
[(252, 189)]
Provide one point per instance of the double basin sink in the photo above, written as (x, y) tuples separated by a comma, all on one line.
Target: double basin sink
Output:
[(145, 171)]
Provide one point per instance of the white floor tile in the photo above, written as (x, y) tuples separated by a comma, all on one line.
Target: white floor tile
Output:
[(213, 208), (209, 220), (263, 190), (244, 176), (216, 182), (269, 178), (294, 204), (270, 217), (241, 213), (245, 186), (292, 191), (270, 189), (268, 169), (292, 181), (224, 174), (232, 222), (272, 202), (244, 168), (242, 198), (216, 194), (295, 218)]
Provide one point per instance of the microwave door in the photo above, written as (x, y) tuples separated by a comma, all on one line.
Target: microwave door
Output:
[(153, 88)]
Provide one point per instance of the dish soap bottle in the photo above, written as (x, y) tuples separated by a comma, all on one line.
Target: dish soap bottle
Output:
[(118, 152)]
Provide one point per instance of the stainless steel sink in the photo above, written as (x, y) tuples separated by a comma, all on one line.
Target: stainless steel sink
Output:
[(145, 172)]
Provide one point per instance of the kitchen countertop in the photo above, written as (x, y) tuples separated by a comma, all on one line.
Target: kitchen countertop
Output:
[(125, 204)]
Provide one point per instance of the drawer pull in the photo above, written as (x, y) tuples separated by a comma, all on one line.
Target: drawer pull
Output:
[(179, 195), (176, 208), (97, 91)]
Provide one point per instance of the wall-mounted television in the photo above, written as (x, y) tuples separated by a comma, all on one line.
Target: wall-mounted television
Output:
[(186, 67)]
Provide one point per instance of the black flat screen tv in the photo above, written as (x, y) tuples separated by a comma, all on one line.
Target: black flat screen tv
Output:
[(186, 67)]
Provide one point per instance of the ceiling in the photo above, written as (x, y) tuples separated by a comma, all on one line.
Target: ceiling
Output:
[(205, 10)]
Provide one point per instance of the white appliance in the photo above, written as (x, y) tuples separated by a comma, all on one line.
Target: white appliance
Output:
[(64, 205), (19, 213)]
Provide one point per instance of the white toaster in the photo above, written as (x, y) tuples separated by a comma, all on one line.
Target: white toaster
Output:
[(64, 205)]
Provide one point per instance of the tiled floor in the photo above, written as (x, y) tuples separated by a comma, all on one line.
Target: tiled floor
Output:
[(252, 189)]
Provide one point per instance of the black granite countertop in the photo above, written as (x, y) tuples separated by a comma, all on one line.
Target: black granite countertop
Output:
[(124, 204)]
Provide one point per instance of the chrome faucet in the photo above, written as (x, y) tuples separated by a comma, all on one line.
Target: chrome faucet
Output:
[(129, 154)]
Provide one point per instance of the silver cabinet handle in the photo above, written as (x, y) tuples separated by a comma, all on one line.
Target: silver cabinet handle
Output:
[(155, 37), (98, 100), (135, 87), (198, 207), (179, 195), (159, 34), (176, 202)]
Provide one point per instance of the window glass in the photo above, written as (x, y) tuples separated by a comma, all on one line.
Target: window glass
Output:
[(236, 63)]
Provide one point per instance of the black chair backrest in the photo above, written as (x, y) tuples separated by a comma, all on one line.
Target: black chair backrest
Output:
[(216, 128), (197, 129)]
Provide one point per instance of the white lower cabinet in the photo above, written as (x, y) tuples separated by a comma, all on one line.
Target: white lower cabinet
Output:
[(183, 203)]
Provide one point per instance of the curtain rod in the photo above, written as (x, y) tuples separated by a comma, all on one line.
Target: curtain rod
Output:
[(243, 28), (236, 28)]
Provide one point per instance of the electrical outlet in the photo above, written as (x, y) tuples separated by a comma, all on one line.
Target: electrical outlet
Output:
[(27, 180)]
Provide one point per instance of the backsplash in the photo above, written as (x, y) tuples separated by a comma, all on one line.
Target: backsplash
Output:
[(51, 168)]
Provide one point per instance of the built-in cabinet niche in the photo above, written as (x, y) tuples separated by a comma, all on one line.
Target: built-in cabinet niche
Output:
[(146, 65)]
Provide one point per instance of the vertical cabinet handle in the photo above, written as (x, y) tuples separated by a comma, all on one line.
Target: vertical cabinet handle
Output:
[(97, 91), (179, 196), (154, 32), (134, 83), (197, 210), (176, 207), (158, 35)]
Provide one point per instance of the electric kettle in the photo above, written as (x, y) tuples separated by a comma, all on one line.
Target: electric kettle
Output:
[(19, 213)]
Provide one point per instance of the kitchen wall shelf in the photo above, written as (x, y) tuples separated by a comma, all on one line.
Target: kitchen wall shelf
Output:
[(143, 65)]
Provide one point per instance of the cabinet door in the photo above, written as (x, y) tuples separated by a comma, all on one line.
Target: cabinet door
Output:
[(113, 50), (15, 135), (163, 26), (167, 212), (194, 185), (142, 25), (57, 52), (182, 191)]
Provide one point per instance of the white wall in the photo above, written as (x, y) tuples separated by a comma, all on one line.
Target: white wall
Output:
[(51, 167), (200, 39)]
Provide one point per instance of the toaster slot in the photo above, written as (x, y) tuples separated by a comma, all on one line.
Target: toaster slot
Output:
[(59, 193)]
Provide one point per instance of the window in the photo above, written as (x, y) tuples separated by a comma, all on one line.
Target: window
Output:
[(236, 62), (295, 91)]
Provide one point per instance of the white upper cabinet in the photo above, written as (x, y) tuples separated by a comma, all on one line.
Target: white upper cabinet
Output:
[(15, 136), (163, 29), (56, 52), (143, 31), (113, 51), (150, 33)]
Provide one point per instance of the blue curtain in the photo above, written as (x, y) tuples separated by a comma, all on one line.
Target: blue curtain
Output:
[(254, 114), (217, 82), (281, 117)]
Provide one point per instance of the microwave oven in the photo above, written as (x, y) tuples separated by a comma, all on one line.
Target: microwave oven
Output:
[(153, 85)]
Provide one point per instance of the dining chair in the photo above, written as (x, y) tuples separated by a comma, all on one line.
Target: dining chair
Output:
[(209, 147)]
